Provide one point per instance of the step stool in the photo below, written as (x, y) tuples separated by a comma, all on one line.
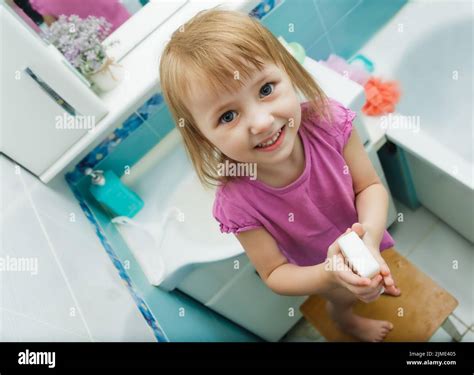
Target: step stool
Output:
[(416, 314)]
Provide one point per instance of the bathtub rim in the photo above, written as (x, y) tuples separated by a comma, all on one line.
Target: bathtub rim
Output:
[(442, 158)]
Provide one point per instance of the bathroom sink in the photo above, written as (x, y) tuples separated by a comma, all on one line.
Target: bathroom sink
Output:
[(175, 231)]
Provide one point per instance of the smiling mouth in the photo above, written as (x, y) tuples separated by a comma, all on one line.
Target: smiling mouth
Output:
[(272, 140)]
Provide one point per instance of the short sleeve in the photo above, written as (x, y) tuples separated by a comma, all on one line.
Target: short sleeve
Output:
[(232, 217), (338, 125), (342, 118)]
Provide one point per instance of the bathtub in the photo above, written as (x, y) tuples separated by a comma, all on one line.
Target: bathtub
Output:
[(428, 48)]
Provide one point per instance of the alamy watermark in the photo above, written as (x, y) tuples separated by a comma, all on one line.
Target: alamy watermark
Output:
[(390, 121), (16, 264), (336, 263), (237, 169), (37, 358), (66, 121)]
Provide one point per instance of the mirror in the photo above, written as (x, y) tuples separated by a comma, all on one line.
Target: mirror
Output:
[(39, 14), (130, 20)]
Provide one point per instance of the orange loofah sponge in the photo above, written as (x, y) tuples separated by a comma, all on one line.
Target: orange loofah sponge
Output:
[(381, 96)]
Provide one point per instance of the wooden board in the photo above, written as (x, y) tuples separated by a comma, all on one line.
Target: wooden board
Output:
[(416, 314)]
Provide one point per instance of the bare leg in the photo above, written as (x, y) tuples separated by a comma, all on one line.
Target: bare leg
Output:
[(339, 306)]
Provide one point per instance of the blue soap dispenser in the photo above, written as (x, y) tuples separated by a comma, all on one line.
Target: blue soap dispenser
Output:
[(116, 198)]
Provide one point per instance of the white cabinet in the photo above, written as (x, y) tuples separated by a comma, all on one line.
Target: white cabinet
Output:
[(45, 106), (248, 301)]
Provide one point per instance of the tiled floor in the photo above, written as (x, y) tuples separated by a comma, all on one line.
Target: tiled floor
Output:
[(72, 291), (440, 252)]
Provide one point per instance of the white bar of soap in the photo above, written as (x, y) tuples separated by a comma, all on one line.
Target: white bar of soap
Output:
[(358, 256)]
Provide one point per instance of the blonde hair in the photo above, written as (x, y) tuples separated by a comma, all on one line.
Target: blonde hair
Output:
[(212, 46)]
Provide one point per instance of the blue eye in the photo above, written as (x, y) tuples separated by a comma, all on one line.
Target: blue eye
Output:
[(266, 89), (230, 116), (227, 117)]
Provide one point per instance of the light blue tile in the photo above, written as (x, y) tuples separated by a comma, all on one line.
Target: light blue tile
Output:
[(151, 106), (320, 50), (130, 150), (296, 21), (106, 147), (161, 122), (333, 10), (350, 34)]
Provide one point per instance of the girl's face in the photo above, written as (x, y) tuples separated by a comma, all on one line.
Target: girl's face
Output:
[(265, 110)]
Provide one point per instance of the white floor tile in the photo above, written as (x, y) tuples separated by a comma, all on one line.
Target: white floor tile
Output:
[(38, 292), (20, 328), (460, 326), (57, 201), (414, 227), (448, 259), (11, 188), (77, 294), (440, 336), (106, 304), (303, 331), (468, 337)]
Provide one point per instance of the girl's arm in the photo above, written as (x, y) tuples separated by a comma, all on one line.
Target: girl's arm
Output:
[(371, 196), (280, 276), (371, 202), (291, 280)]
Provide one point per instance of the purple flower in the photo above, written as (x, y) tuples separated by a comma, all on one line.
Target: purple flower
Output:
[(80, 40)]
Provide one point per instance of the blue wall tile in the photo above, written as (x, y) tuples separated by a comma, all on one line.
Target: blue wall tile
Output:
[(303, 15), (353, 31), (320, 50), (131, 149), (161, 121), (348, 24), (151, 106), (333, 10)]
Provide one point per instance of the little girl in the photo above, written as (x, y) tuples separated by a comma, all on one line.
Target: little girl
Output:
[(233, 91)]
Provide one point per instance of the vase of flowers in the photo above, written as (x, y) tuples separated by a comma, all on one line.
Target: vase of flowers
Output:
[(107, 76), (80, 41)]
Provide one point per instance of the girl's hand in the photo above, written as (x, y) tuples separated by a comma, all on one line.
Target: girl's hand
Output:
[(365, 289), (388, 281)]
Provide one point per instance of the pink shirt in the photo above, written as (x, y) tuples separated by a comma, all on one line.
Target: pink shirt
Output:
[(111, 10), (306, 216)]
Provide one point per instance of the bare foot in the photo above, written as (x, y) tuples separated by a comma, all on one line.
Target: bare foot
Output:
[(363, 329)]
